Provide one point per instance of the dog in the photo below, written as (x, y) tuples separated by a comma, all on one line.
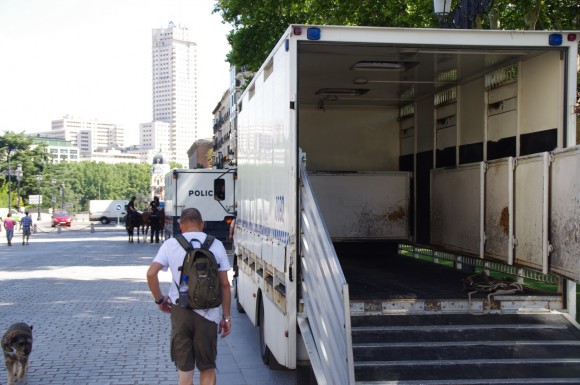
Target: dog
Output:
[(17, 345)]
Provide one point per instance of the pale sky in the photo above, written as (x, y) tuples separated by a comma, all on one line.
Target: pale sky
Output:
[(92, 59)]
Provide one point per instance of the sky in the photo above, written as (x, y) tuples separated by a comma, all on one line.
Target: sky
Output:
[(92, 59)]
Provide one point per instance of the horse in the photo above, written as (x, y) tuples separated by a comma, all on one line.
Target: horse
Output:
[(146, 222), (133, 222)]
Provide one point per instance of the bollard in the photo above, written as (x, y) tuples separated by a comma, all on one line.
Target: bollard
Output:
[(59, 228), (92, 227), (34, 229)]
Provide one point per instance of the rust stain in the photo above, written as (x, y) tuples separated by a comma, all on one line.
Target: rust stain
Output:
[(504, 220), (396, 215)]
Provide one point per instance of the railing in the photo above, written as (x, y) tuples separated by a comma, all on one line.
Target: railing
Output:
[(325, 323)]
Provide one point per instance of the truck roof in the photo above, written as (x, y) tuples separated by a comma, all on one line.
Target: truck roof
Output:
[(390, 67)]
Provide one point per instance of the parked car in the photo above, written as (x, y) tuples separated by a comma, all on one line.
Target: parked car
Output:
[(61, 218)]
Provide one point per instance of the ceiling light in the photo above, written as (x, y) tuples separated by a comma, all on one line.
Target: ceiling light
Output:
[(342, 91), (382, 66), (360, 80)]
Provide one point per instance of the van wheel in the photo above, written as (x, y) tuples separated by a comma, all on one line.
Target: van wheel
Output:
[(105, 220), (264, 350)]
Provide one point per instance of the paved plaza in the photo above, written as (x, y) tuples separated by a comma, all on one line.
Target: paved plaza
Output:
[(94, 319)]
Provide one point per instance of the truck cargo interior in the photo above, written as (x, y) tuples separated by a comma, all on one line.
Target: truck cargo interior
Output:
[(429, 133)]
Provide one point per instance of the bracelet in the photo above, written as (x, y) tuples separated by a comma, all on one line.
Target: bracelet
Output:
[(160, 301), (227, 319)]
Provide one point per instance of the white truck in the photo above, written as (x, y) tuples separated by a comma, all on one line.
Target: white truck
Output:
[(403, 195), (186, 188), (107, 210)]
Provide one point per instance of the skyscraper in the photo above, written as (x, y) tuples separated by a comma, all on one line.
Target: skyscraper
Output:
[(175, 88)]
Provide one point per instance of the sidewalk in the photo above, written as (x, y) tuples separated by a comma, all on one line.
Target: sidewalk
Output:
[(94, 319)]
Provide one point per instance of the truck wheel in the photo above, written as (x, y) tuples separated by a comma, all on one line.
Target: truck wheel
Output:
[(105, 220), (239, 306), (264, 350)]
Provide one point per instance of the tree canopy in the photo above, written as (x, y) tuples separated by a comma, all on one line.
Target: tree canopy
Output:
[(258, 25), (83, 181)]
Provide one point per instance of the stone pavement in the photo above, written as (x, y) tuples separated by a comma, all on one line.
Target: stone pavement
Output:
[(94, 319)]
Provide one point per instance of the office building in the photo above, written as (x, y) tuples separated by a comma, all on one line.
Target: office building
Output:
[(87, 135), (175, 94)]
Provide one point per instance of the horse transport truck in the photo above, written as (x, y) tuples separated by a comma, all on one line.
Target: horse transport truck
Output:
[(409, 206), (211, 191)]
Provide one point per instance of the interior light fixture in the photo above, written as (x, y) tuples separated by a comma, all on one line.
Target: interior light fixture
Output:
[(367, 65), (342, 91)]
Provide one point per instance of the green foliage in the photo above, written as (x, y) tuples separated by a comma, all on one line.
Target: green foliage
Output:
[(173, 165), (257, 26), (83, 181)]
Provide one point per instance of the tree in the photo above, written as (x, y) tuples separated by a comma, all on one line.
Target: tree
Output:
[(83, 181), (31, 158), (258, 25)]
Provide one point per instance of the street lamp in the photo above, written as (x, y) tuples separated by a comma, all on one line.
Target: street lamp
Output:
[(53, 183), (39, 179), (464, 15), (442, 9), (18, 174), (62, 197), (9, 177)]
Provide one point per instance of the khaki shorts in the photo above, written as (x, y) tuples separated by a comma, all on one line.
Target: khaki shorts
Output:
[(193, 340)]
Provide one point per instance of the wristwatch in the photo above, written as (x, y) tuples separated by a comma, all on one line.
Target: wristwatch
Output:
[(227, 319), (160, 301)]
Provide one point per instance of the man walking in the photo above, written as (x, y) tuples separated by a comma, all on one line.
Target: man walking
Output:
[(193, 332), (25, 224)]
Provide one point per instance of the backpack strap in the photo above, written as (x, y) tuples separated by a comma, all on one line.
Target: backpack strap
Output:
[(183, 242), (208, 242)]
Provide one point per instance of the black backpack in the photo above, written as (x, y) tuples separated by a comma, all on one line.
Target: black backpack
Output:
[(201, 266)]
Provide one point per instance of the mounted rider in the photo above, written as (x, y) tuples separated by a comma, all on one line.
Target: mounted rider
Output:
[(131, 210)]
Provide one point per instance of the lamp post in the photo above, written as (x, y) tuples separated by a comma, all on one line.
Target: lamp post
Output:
[(62, 197), (9, 177), (53, 183), (39, 179), (18, 178)]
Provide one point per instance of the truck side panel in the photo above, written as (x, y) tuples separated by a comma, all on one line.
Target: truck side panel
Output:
[(267, 159)]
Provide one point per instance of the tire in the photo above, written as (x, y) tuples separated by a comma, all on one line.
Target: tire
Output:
[(105, 221), (264, 350), (239, 306)]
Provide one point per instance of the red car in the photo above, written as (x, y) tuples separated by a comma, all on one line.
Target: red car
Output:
[(61, 218)]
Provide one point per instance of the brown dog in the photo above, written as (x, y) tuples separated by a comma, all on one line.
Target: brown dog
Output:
[(17, 345)]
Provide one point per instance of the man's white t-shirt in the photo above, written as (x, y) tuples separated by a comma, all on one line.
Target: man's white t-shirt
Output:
[(171, 256)]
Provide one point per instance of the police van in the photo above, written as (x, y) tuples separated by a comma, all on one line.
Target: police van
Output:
[(211, 191)]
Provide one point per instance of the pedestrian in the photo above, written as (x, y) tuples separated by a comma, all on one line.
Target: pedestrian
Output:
[(154, 222), (9, 227), (193, 332), (25, 225)]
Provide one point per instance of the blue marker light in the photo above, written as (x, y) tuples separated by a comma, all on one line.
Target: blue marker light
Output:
[(555, 39), (313, 33)]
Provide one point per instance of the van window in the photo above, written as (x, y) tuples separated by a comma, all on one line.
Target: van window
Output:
[(219, 189)]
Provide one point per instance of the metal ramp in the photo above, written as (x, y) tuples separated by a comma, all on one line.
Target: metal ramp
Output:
[(466, 349)]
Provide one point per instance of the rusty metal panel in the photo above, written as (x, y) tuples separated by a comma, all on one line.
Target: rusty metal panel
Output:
[(499, 236), (531, 211), (364, 205), (565, 213), (457, 208)]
